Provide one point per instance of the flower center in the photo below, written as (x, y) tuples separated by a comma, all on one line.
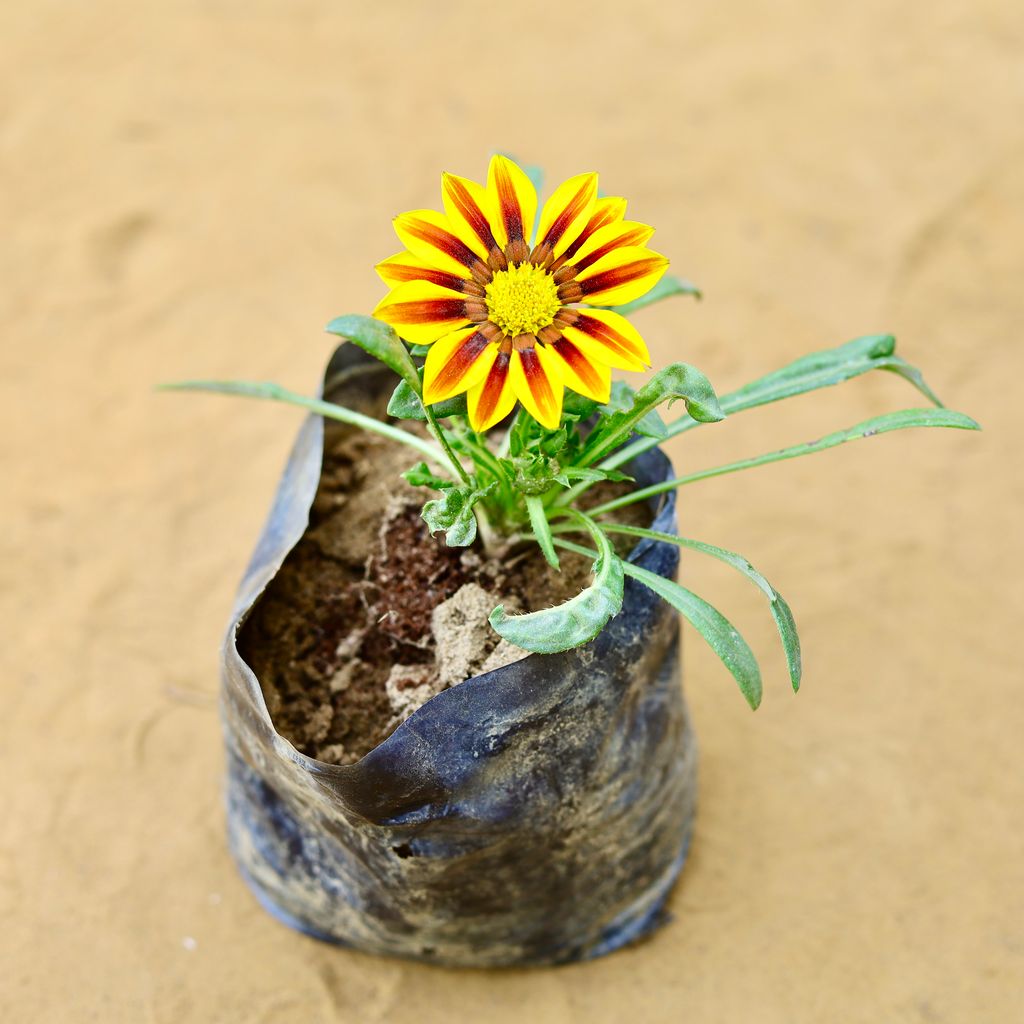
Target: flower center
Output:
[(522, 299)]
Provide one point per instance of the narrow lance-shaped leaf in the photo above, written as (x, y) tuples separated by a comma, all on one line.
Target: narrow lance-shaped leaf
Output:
[(779, 608), (808, 373), (330, 410), (575, 622), (590, 474), (719, 632), (380, 341), (664, 289), (869, 428), (674, 382), (541, 528)]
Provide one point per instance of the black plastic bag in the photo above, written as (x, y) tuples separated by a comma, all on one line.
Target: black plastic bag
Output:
[(535, 814)]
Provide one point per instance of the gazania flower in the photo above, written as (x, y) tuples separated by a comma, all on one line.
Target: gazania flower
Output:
[(500, 312)]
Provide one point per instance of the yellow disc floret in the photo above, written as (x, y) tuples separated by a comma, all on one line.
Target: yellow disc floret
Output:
[(522, 299)]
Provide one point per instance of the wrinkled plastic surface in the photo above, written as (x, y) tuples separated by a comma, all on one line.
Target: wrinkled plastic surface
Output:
[(535, 814)]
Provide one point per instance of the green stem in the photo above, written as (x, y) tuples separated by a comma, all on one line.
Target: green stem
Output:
[(329, 410), (481, 454), (435, 428), (876, 425), (506, 441)]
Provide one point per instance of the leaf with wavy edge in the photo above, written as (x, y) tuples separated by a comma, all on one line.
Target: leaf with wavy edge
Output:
[(674, 382), (579, 619)]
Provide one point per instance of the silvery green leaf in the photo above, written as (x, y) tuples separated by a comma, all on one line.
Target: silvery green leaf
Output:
[(422, 476), (821, 369), (779, 608), (453, 513), (405, 404), (720, 633), (380, 341), (573, 623), (674, 382)]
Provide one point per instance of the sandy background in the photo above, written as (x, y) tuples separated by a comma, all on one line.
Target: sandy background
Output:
[(194, 188)]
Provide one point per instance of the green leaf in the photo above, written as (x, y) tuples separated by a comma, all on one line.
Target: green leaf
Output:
[(895, 364), (664, 289), (869, 428), (674, 382), (453, 513), (623, 398), (578, 620), (541, 529), (779, 608), (719, 632), (808, 373), (824, 369), (577, 407), (591, 474), (380, 341), (330, 410), (405, 404), (421, 476)]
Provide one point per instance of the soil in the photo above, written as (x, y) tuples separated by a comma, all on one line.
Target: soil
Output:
[(370, 616)]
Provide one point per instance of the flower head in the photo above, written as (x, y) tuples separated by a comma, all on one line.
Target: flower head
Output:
[(498, 305)]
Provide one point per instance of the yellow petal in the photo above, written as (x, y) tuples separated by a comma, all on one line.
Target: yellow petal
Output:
[(513, 200), (421, 312), (493, 398), (607, 210), (579, 371), (537, 383), (455, 363), (468, 211), (621, 276), (403, 266), (605, 336), (428, 235), (605, 240), (567, 213)]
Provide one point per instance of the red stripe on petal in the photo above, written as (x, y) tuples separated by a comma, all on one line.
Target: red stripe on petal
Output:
[(617, 276), (459, 363), (467, 206), (606, 214), (579, 364), (400, 273), (537, 378), (426, 311), (636, 236), (443, 241), (511, 214), (572, 210), (606, 335), (493, 387)]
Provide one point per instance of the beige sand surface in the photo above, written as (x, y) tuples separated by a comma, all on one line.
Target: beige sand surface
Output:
[(193, 188)]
